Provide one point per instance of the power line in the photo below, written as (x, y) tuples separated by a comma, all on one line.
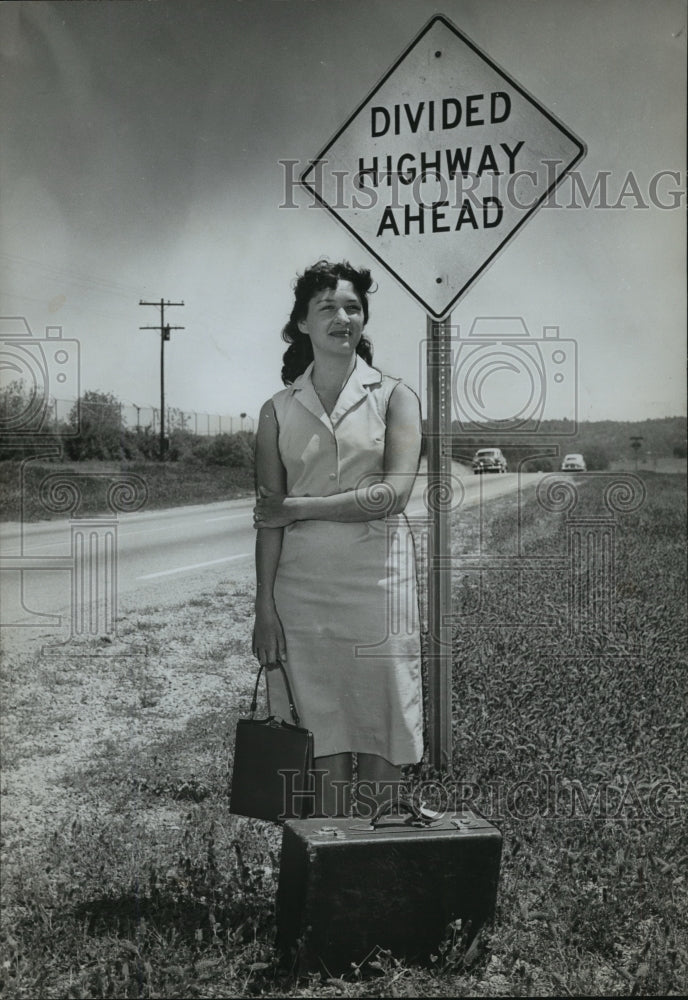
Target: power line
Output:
[(60, 273)]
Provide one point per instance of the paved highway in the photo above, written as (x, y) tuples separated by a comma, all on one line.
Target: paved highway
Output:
[(163, 557)]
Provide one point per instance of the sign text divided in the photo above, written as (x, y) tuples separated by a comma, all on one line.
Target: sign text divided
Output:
[(441, 164)]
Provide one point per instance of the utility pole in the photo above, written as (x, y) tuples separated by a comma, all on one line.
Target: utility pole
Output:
[(635, 445), (164, 335)]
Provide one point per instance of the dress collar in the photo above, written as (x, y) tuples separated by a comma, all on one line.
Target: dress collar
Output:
[(353, 390)]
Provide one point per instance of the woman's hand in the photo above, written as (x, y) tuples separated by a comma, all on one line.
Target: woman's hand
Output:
[(269, 646), (272, 510)]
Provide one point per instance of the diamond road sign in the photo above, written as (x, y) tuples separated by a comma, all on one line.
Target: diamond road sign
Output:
[(441, 164)]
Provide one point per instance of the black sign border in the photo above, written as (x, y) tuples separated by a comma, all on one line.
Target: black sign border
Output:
[(582, 150)]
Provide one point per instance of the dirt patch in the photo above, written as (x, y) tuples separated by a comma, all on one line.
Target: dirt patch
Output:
[(69, 708)]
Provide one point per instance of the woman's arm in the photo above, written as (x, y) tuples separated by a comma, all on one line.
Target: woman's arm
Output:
[(384, 495), (268, 636)]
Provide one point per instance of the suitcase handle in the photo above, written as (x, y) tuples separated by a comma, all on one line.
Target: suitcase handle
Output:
[(416, 816)]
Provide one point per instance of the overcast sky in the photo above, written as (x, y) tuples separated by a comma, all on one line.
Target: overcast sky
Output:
[(141, 159)]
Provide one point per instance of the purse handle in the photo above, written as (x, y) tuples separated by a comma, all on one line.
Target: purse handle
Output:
[(292, 706)]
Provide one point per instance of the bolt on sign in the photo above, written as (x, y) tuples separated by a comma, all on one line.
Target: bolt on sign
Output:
[(441, 164)]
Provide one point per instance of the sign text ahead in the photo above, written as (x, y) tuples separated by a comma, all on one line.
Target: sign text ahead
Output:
[(441, 164)]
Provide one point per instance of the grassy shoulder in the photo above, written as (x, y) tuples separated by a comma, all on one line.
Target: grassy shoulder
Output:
[(125, 875), (36, 490)]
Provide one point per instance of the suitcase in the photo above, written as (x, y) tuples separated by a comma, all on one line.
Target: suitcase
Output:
[(349, 886)]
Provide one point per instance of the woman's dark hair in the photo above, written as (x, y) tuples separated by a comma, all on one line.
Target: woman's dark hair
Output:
[(299, 354)]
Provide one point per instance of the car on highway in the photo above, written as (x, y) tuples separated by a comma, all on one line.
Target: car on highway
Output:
[(573, 463), (489, 460)]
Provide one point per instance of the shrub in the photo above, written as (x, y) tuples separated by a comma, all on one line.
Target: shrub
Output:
[(25, 416), (596, 458), (144, 442), (183, 446), (96, 418), (232, 449)]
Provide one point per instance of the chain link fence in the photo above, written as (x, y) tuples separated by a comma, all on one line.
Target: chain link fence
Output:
[(133, 416)]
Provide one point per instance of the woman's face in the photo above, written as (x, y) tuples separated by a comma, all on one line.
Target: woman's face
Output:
[(334, 320)]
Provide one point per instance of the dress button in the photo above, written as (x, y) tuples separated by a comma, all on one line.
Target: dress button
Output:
[(333, 475)]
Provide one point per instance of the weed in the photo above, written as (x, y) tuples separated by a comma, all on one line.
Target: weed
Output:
[(203, 601), (152, 888)]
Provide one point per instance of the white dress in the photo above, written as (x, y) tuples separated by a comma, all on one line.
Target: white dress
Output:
[(346, 592)]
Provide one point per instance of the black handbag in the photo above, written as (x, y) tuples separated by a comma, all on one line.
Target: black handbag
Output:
[(272, 765)]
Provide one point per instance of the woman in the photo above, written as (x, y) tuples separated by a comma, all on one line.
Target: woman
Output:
[(336, 458)]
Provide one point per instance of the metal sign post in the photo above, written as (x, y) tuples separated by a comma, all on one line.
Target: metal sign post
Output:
[(439, 561)]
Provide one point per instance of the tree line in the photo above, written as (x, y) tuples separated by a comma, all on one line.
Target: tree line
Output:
[(601, 442), (93, 430)]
